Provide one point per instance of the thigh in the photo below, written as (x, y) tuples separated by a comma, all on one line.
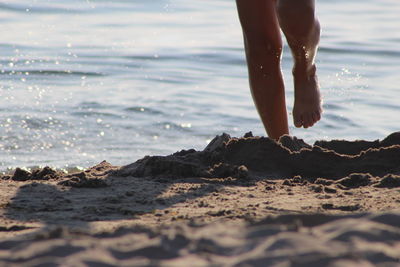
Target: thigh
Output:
[(259, 20), (298, 22)]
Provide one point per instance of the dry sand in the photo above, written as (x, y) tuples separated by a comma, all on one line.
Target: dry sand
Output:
[(240, 202)]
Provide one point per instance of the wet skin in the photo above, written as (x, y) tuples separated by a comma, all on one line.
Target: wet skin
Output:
[(261, 22)]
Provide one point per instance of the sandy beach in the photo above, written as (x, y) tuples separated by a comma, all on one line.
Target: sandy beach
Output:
[(246, 201)]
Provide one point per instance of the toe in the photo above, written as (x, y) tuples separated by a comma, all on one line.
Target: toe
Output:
[(307, 121), (314, 117), (318, 115), (311, 121), (298, 121)]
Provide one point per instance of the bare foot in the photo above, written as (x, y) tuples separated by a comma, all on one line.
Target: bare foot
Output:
[(307, 108)]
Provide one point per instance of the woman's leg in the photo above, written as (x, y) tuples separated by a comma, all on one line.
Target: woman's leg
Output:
[(302, 30), (263, 45)]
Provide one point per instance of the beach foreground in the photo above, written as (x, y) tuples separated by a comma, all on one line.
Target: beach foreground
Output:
[(244, 201)]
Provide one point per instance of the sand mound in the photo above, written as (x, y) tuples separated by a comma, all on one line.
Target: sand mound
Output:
[(259, 156)]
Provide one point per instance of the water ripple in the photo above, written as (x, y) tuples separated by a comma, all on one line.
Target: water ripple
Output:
[(367, 52), (39, 9), (144, 110), (51, 73)]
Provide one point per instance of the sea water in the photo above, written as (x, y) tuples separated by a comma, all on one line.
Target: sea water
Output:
[(89, 80)]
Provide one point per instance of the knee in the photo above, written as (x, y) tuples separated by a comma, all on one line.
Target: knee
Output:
[(258, 44)]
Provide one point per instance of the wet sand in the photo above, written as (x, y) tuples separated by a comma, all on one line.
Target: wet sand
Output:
[(246, 201)]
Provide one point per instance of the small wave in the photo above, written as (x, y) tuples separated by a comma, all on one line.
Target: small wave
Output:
[(383, 105), (170, 80), (341, 120), (153, 57), (333, 106), (359, 51), (90, 104), (96, 109), (30, 122), (37, 123), (144, 110), (173, 126), (222, 57), (39, 9), (94, 114), (52, 73)]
